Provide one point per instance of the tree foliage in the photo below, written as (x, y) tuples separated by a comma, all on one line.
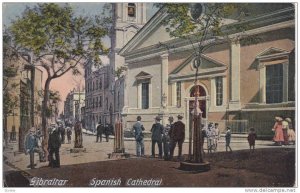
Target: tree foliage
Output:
[(197, 22), (58, 39)]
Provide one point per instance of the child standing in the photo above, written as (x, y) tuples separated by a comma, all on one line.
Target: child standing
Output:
[(228, 138), (251, 139)]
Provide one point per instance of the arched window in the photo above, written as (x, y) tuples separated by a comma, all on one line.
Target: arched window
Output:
[(131, 9)]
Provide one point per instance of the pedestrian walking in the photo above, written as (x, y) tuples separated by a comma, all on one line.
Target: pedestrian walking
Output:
[(218, 134), (157, 131), (31, 146), (166, 138), (291, 132), (228, 139), (277, 128), (69, 134), (177, 136), (138, 129), (251, 139), (54, 144)]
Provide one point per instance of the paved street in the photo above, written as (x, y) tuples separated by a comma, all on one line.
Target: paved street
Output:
[(99, 151)]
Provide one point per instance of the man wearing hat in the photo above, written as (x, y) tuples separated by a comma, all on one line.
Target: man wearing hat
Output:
[(157, 131), (31, 145), (166, 138), (54, 144), (177, 136), (138, 129)]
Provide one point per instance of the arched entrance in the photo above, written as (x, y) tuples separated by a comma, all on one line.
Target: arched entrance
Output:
[(202, 99)]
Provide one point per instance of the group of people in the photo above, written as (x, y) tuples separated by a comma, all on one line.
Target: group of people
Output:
[(166, 137), (284, 133), (34, 140), (106, 129)]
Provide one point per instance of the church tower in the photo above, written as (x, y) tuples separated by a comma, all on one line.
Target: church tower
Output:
[(128, 18)]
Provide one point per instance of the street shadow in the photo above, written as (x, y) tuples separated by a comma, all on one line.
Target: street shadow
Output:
[(15, 179)]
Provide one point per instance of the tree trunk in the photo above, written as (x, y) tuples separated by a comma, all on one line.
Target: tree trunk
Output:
[(44, 118)]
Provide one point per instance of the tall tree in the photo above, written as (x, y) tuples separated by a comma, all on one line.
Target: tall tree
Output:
[(204, 25), (59, 42)]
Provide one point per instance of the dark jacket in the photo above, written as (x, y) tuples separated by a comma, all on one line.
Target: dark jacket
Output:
[(157, 131), (178, 131), (54, 140)]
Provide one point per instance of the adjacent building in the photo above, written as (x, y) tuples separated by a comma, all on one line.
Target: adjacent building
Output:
[(72, 106), (241, 85), (99, 94), (24, 108)]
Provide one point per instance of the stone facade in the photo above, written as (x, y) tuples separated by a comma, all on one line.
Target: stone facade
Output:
[(234, 77)]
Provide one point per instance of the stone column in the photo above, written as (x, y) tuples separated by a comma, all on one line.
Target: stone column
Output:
[(285, 81), (164, 75), (174, 94), (213, 92), (262, 83), (234, 102)]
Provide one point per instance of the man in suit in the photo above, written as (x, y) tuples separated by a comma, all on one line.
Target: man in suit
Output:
[(138, 129), (156, 137), (177, 136)]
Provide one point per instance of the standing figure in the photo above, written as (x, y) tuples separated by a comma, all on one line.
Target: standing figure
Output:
[(203, 136), (54, 144), (100, 129), (210, 137), (218, 134), (157, 131), (277, 128), (285, 128), (31, 146), (228, 139), (62, 133), (291, 132), (177, 136), (166, 138), (251, 139), (69, 134), (108, 129), (78, 135), (138, 129)]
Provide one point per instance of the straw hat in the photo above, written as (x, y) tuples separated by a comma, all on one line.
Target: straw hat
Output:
[(288, 120)]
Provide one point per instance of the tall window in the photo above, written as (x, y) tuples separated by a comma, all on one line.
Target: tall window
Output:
[(131, 9), (178, 94), (106, 103), (97, 86), (100, 84), (100, 101), (219, 91), (274, 83), (145, 95), (97, 102), (93, 103)]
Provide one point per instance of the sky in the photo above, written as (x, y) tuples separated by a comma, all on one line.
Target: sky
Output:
[(12, 10)]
